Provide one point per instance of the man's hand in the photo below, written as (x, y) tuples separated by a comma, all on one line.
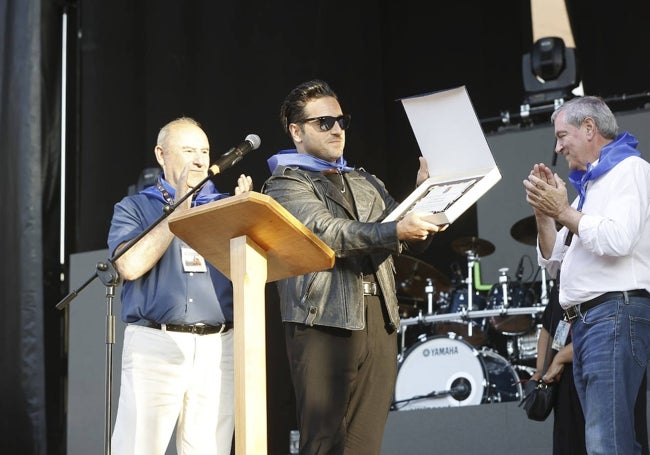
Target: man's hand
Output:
[(423, 172), (414, 227), (183, 188), (546, 193), (244, 184)]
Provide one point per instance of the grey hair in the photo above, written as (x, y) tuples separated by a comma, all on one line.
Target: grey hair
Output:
[(578, 109), (165, 130)]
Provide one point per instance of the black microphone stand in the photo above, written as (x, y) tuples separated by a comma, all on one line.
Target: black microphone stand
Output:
[(109, 276)]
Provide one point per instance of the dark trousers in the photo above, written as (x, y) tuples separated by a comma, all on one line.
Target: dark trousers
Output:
[(344, 382)]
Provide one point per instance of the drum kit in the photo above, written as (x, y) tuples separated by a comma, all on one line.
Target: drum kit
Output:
[(468, 343)]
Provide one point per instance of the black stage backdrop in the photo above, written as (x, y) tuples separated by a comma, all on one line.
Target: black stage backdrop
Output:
[(136, 64), (29, 168)]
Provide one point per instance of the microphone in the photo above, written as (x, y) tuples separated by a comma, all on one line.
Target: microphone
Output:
[(520, 270), (232, 156), (461, 389)]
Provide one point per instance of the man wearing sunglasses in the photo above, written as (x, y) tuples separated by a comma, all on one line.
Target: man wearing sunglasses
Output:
[(340, 324)]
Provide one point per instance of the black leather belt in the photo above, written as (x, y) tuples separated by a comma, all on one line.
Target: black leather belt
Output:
[(197, 329), (370, 288), (572, 312)]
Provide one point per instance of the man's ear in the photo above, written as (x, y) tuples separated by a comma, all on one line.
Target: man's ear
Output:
[(590, 127), (158, 151), (296, 132)]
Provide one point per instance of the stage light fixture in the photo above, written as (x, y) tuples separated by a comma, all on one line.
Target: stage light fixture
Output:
[(549, 71)]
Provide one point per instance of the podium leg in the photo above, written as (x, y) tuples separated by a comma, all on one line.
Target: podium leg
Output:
[(248, 269)]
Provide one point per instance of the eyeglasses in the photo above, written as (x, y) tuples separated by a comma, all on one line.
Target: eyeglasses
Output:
[(326, 122)]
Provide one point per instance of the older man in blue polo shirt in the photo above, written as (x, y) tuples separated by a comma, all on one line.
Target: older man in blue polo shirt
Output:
[(177, 361)]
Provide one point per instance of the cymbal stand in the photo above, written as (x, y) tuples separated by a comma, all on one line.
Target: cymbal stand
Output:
[(472, 258), (429, 289), (402, 347), (503, 281), (544, 288)]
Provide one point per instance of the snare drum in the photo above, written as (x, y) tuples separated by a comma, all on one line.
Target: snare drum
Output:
[(445, 371)]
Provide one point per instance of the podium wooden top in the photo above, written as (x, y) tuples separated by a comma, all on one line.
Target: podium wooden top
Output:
[(291, 248)]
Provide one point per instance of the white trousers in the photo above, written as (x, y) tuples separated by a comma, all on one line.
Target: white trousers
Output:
[(172, 378)]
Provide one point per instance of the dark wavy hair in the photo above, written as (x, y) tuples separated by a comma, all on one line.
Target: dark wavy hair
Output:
[(292, 109)]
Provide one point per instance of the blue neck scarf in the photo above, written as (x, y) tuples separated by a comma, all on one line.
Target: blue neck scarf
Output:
[(291, 157), (613, 153), (206, 194)]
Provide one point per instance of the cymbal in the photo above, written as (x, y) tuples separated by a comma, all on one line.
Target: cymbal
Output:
[(411, 278), (475, 245), (525, 231)]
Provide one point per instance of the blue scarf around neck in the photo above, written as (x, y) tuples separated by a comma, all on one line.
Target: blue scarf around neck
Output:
[(613, 153), (291, 157), (206, 194)]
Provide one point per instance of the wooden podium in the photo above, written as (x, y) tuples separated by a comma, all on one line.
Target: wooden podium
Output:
[(252, 240)]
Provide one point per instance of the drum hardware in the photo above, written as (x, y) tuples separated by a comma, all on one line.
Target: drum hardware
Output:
[(525, 231), (524, 347), (471, 259), (457, 323), (544, 297), (477, 314), (468, 329), (503, 281), (472, 248), (411, 279), (429, 289), (446, 371), (507, 295)]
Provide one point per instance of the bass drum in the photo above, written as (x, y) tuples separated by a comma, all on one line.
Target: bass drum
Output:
[(458, 302), (441, 371), (519, 296), (504, 383)]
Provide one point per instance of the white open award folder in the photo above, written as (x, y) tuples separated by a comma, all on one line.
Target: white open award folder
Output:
[(461, 166)]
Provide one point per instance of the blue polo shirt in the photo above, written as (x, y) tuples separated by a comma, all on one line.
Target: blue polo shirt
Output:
[(167, 294)]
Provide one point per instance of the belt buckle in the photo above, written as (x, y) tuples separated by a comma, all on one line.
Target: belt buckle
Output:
[(198, 329), (571, 312), (369, 288)]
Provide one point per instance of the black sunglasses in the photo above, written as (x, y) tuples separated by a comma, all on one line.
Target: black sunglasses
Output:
[(326, 122)]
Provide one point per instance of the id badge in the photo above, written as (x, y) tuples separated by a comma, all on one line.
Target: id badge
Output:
[(192, 261), (561, 334)]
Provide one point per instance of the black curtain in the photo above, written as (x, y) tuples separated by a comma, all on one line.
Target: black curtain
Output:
[(146, 62), (27, 133), (138, 64), (611, 43)]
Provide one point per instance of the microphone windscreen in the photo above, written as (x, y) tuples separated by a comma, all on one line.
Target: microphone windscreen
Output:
[(255, 140)]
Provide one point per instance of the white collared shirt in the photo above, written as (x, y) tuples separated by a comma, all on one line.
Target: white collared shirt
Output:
[(611, 251)]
